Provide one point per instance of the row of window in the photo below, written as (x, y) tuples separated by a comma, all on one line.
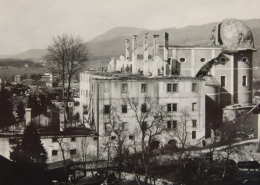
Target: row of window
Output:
[(72, 152), (54, 140), (223, 81), (86, 79), (173, 124), (131, 137), (170, 125), (108, 126), (222, 59), (84, 93), (171, 87), (171, 107), (124, 88)]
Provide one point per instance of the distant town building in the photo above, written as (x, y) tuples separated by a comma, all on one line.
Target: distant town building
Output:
[(18, 78)]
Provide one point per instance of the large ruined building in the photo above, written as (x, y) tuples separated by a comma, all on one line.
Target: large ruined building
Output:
[(222, 70)]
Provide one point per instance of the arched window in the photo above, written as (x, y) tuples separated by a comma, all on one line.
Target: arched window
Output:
[(223, 60), (203, 59), (172, 143), (244, 59), (182, 59), (154, 145)]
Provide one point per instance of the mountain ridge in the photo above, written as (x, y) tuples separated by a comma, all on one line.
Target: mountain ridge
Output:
[(111, 44)]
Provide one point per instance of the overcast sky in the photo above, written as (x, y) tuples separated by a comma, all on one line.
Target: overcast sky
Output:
[(30, 24)]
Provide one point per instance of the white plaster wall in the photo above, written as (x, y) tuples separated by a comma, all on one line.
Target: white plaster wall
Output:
[(110, 94)]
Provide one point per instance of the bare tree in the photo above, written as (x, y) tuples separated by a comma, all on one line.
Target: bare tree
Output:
[(150, 117), (68, 54), (64, 148), (115, 136), (177, 150)]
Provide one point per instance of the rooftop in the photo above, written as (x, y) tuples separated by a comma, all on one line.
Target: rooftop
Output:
[(193, 47), (128, 76)]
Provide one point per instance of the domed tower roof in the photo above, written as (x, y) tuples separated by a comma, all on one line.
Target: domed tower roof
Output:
[(233, 35)]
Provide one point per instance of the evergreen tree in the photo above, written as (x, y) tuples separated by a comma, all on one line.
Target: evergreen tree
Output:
[(30, 150), (30, 159), (6, 108), (21, 111)]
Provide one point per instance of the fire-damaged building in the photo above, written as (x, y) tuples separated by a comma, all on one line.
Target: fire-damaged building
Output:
[(214, 80)]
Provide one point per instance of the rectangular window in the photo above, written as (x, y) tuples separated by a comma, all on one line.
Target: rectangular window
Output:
[(107, 127), (73, 152), (144, 108), (223, 81), (11, 155), (143, 88), (194, 123), (169, 87), (95, 138), (169, 107), (73, 139), (244, 81), (113, 137), (13, 141), (124, 108), (144, 124), (174, 107), (193, 134), (174, 87), (123, 125), (131, 137), (107, 109), (174, 124), (194, 106), (87, 93), (124, 88), (169, 124), (54, 152), (54, 140), (194, 87)]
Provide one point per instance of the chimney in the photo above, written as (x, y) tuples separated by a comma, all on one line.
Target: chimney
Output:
[(28, 116), (134, 55), (62, 119), (216, 35), (127, 45), (155, 45), (165, 49), (145, 48), (134, 38)]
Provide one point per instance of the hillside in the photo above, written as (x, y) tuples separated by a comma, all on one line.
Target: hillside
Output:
[(31, 54), (112, 43)]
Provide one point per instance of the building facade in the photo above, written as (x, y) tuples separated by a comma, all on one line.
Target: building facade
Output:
[(101, 91)]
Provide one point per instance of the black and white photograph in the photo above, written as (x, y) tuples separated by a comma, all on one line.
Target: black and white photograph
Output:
[(129, 92)]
